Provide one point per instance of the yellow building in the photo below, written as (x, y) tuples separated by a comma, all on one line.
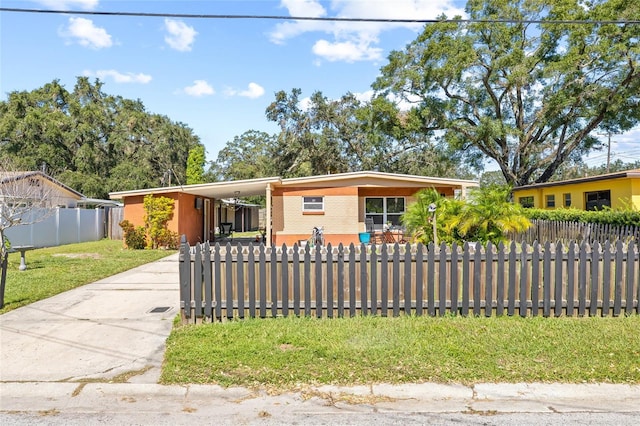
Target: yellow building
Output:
[(615, 190)]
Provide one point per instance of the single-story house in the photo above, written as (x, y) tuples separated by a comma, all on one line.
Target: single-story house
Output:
[(339, 203), (28, 187), (589, 193)]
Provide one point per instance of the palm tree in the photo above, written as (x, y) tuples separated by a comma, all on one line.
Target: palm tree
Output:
[(490, 215), (418, 217)]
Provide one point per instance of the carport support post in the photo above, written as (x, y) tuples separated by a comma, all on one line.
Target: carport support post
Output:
[(267, 219)]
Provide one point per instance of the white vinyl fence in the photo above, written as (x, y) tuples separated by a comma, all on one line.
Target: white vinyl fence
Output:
[(59, 227)]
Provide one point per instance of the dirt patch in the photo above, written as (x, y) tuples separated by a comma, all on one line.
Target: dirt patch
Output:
[(80, 255)]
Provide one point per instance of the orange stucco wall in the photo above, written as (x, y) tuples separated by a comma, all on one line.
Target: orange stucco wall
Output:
[(187, 219)]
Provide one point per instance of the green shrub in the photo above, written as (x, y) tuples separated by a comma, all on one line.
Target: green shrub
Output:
[(159, 211), (134, 236), (607, 216), (487, 215), (168, 240)]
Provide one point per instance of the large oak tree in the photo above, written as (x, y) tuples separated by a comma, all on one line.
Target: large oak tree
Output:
[(514, 84), (319, 135), (92, 141)]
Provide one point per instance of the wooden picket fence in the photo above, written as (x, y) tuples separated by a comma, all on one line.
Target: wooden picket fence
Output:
[(225, 282), (564, 231)]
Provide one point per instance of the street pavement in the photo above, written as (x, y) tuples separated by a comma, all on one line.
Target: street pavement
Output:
[(93, 355)]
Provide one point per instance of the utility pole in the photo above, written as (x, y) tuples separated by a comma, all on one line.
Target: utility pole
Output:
[(608, 135), (608, 151)]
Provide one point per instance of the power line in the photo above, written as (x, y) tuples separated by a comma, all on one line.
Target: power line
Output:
[(330, 19)]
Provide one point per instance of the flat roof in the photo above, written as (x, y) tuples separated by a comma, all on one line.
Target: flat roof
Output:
[(227, 189), (634, 173), (421, 180), (244, 188)]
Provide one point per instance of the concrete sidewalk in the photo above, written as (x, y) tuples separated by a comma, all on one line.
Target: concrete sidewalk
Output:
[(93, 354), (428, 403)]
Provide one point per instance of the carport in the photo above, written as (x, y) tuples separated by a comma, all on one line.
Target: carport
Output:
[(194, 215)]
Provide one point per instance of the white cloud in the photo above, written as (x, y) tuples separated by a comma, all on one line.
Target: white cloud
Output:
[(69, 4), (305, 104), (364, 96), (119, 77), (356, 41), (199, 88), (85, 33), (254, 91), (346, 51), (181, 36), (311, 8)]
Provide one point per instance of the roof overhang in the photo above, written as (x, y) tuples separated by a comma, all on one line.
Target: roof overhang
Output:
[(7, 177), (249, 187), (635, 173), (216, 190), (376, 179)]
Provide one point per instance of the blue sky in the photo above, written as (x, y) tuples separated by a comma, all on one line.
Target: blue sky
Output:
[(217, 75)]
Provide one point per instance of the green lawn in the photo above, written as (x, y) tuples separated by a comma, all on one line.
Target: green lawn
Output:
[(56, 269), (285, 353), (289, 352)]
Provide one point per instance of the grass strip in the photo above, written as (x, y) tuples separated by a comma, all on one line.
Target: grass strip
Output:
[(286, 353), (54, 270)]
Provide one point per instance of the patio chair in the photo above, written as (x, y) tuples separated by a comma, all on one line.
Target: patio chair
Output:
[(226, 231), (369, 228)]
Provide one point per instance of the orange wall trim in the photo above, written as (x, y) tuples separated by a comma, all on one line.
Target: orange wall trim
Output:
[(334, 239), (387, 192)]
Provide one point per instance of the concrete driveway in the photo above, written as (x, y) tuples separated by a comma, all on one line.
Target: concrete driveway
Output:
[(98, 331)]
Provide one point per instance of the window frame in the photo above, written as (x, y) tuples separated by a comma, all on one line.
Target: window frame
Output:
[(311, 200), (526, 202), (381, 218), (602, 198), (550, 200)]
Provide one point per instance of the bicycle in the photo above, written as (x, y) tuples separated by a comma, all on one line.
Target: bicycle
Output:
[(317, 236)]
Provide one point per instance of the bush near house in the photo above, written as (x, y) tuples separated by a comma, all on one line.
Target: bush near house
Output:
[(627, 217), (134, 236), (488, 215), (159, 211), (154, 234)]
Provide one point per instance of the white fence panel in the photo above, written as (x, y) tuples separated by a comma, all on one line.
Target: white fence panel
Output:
[(62, 226), (67, 232), (44, 232)]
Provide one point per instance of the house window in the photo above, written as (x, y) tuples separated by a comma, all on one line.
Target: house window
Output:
[(384, 210), (313, 204), (597, 200), (567, 200), (526, 202), (551, 200)]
